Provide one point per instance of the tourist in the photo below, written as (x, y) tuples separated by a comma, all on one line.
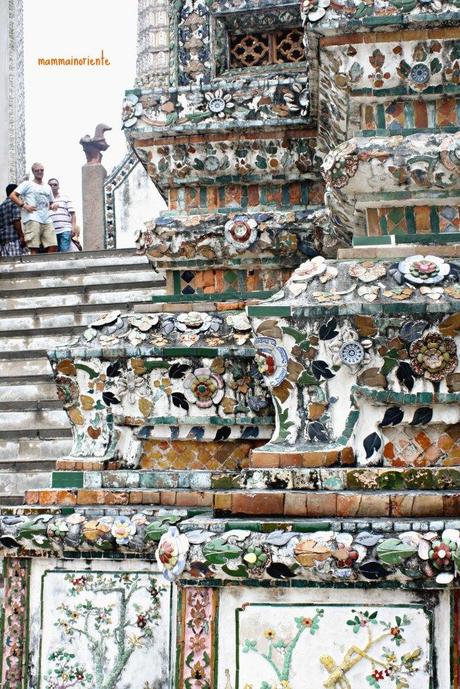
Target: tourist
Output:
[(35, 198), (12, 242), (64, 217)]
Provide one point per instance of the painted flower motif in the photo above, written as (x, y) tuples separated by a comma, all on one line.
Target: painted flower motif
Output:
[(219, 103), (123, 529), (314, 10), (298, 100), (367, 271), (271, 360), (348, 349), (340, 165), (131, 110), (203, 387), (424, 270), (241, 232), (129, 385), (171, 553), (433, 356)]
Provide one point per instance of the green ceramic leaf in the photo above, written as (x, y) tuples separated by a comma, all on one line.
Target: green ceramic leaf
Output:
[(307, 378), (393, 551), (217, 552), (435, 66), (296, 334), (389, 364), (155, 531), (404, 5), (90, 371), (240, 571), (363, 10), (30, 530)]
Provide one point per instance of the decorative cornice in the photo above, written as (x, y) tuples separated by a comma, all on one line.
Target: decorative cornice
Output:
[(195, 548)]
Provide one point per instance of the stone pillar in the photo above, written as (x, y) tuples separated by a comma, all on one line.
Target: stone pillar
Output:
[(92, 184), (93, 175), (12, 128)]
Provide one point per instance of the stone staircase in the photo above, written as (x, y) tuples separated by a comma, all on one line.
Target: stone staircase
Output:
[(45, 302)]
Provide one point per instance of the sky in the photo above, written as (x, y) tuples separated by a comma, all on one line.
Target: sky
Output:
[(63, 103)]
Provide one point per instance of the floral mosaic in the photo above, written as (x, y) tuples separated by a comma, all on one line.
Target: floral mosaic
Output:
[(15, 614), (322, 356), (197, 656), (102, 627), (187, 548), (373, 646), (147, 392), (216, 237)]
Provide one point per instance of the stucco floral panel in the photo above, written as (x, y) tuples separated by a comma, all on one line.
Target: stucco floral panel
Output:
[(325, 16), (419, 161), (100, 627), (413, 66), (285, 238), (138, 377), (359, 644), (251, 160), (233, 105), (348, 383)]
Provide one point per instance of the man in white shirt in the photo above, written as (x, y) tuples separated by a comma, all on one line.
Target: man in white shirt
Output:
[(64, 218), (35, 198)]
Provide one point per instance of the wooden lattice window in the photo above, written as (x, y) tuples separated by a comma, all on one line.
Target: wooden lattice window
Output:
[(256, 49)]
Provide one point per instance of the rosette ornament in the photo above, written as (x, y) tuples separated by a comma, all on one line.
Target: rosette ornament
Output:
[(241, 232), (424, 270), (204, 388), (433, 357)]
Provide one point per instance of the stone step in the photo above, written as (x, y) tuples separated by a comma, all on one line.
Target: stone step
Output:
[(24, 393), (25, 422), (41, 341), (30, 367), (13, 270), (45, 302), (23, 405), (78, 296), (102, 257), (13, 483), (31, 311), (58, 316), (55, 283), (79, 285), (30, 433), (34, 450)]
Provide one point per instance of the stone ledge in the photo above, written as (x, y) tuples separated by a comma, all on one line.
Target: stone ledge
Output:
[(312, 504)]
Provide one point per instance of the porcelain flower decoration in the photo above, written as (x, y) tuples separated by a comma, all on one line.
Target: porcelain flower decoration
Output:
[(171, 553)]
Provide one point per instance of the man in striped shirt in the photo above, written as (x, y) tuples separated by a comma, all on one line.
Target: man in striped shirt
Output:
[(64, 218), (12, 241)]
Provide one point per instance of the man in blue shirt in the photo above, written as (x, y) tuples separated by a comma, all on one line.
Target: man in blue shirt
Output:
[(12, 242)]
